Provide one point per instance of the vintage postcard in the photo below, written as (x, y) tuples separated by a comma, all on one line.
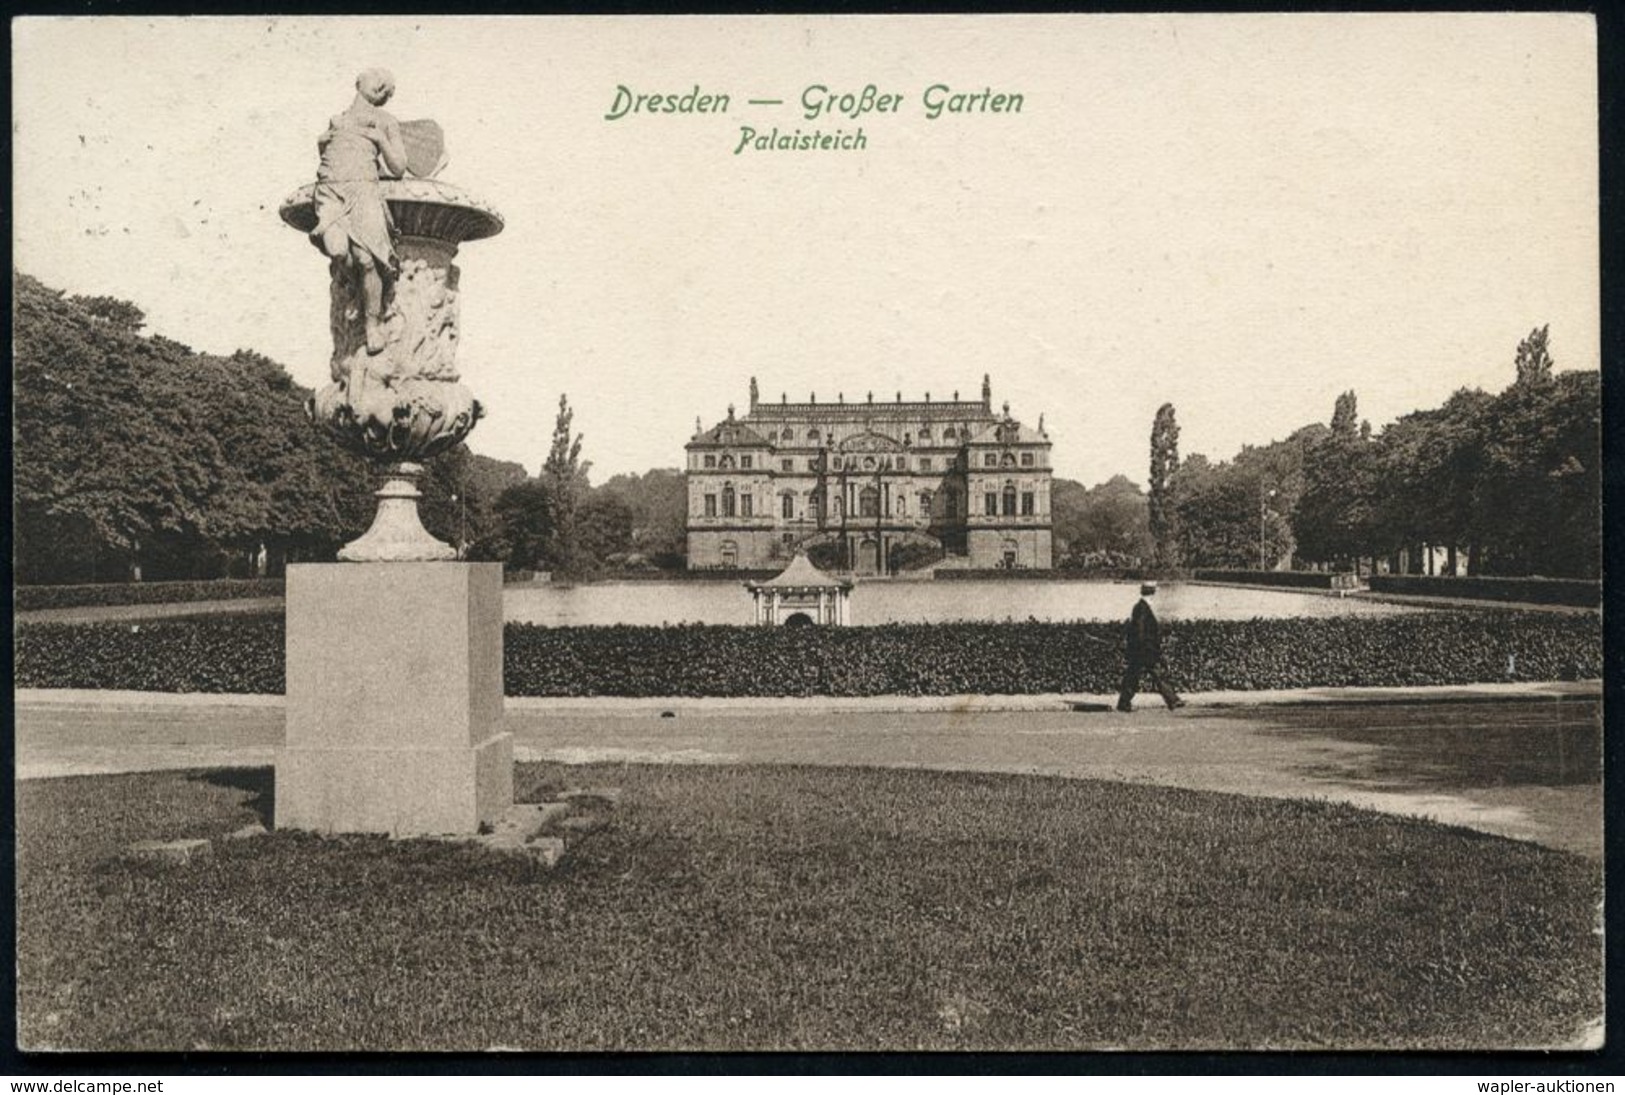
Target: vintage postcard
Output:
[(808, 533)]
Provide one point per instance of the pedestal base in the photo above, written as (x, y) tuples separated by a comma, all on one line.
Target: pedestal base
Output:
[(394, 700), (397, 534), (410, 792)]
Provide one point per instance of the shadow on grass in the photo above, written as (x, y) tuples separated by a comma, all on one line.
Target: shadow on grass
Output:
[(1455, 747), (258, 783), (767, 907)]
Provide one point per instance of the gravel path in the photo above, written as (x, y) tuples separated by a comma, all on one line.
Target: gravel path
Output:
[(1523, 765)]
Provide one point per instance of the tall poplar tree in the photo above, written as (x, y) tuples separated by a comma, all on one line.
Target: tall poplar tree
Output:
[(1534, 359), (1164, 463), (564, 475)]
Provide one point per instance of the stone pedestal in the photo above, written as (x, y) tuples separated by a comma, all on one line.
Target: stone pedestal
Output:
[(394, 699)]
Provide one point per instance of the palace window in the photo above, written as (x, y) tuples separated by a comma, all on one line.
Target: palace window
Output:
[(837, 463), (788, 538), (948, 434), (744, 462), (726, 461), (812, 465), (925, 463), (787, 506), (812, 435), (990, 460), (788, 434), (1009, 460), (925, 433), (869, 503), (1009, 501), (1026, 503), (991, 503), (730, 553), (925, 503), (1026, 459), (710, 505), (710, 460), (729, 508), (902, 505), (787, 465)]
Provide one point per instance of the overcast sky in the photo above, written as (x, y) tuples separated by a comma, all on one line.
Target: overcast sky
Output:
[(1243, 215)]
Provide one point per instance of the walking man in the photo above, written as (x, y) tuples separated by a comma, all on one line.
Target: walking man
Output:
[(1144, 655)]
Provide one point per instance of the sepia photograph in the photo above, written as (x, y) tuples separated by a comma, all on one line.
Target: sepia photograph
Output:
[(807, 533)]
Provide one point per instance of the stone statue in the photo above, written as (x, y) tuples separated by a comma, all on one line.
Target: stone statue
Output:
[(391, 232), (353, 225)]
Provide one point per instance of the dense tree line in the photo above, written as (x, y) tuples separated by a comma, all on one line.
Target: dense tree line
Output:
[(559, 523), (1513, 481), (136, 457)]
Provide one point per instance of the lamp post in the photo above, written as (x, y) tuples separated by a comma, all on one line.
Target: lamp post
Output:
[(1263, 499)]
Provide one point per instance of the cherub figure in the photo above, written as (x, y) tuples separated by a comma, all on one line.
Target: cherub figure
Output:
[(353, 225)]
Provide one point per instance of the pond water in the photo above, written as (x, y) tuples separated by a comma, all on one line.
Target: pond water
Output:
[(881, 602)]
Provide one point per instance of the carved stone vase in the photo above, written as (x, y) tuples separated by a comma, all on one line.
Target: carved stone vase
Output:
[(404, 403)]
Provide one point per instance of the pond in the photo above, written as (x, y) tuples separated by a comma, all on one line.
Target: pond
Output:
[(882, 602)]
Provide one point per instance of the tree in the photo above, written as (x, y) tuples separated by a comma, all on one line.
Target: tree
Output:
[(525, 526), (1274, 474), (604, 529), (659, 503), (460, 491), (1533, 361), (1346, 417), (1106, 526), (1163, 517), (112, 444), (136, 456), (119, 313), (1540, 489), (565, 476), (1333, 521), (1224, 508), (1069, 505), (1428, 469)]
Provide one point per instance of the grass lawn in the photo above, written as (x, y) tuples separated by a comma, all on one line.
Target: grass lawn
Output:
[(800, 908)]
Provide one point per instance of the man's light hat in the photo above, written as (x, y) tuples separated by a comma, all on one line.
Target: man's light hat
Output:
[(1148, 588)]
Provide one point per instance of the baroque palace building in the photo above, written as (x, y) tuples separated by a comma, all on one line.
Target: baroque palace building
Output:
[(869, 479)]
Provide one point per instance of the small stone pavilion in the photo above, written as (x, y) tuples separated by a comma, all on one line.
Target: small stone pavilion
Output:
[(802, 594)]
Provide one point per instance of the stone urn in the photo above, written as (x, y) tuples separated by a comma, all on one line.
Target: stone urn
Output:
[(404, 402)]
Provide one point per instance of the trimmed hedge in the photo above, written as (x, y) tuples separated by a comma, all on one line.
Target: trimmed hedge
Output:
[(238, 653), (1081, 574), (717, 574), (25, 598), (1579, 592), (244, 654), (1288, 579)]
